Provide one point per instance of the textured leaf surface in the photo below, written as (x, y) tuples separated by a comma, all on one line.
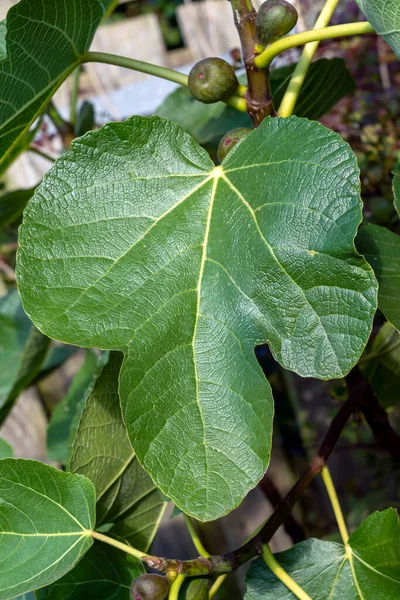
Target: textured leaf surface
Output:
[(46, 40), (384, 15), (383, 367), (368, 570), (12, 205), (22, 349), (326, 83), (104, 573), (381, 248), (126, 496), (147, 248), (45, 516), (65, 418)]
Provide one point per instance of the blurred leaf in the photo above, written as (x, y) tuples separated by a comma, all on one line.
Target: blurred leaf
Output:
[(384, 15), (3, 47), (45, 42), (12, 205), (21, 146), (104, 573), (65, 418), (381, 366), (22, 351), (207, 123), (6, 451), (126, 496), (85, 120), (381, 248), (45, 521), (369, 569), (327, 82), (27, 596), (396, 189)]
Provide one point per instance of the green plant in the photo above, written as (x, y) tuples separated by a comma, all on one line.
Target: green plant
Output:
[(138, 244)]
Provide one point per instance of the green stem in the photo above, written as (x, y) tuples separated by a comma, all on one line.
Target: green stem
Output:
[(299, 74), (150, 69), (216, 585), (110, 9), (281, 574), (333, 497), (120, 545), (264, 59), (195, 538), (74, 96), (40, 153), (175, 587)]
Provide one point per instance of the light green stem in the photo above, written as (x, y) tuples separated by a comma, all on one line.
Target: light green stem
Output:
[(315, 35), (120, 545), (110, 9), (175, 587), (281, 574), (195, 538), (157, 71), (74, 95), (330, 488), (216, 585), (296, 82)]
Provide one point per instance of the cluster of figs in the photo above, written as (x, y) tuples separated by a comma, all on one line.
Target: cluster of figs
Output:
[(156, 587), (213, 79)]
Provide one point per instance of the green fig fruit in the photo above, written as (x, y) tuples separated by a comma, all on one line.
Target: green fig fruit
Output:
[(275, 19), (230, 139), (212, 80), (150, 587), (196, 589)]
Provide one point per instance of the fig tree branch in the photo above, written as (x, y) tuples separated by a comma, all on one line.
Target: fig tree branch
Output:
[(258, 95)]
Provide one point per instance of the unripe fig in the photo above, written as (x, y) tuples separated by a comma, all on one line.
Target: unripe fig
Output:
[(274, 20), (230, 139), (196, 589), (212, 80), (150, 587)]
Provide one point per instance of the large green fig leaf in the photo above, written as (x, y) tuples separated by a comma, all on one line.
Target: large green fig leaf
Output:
[(45, 521), (381, 248), (46, 41), (136, 242), (104, 573), (384, 15), (381, 366), (368, 568), (126, 496)]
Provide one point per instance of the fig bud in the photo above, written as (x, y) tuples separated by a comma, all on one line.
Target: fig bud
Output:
[(196, 589), (212, 80), (275, 19), (150, 587), (230, 139)]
